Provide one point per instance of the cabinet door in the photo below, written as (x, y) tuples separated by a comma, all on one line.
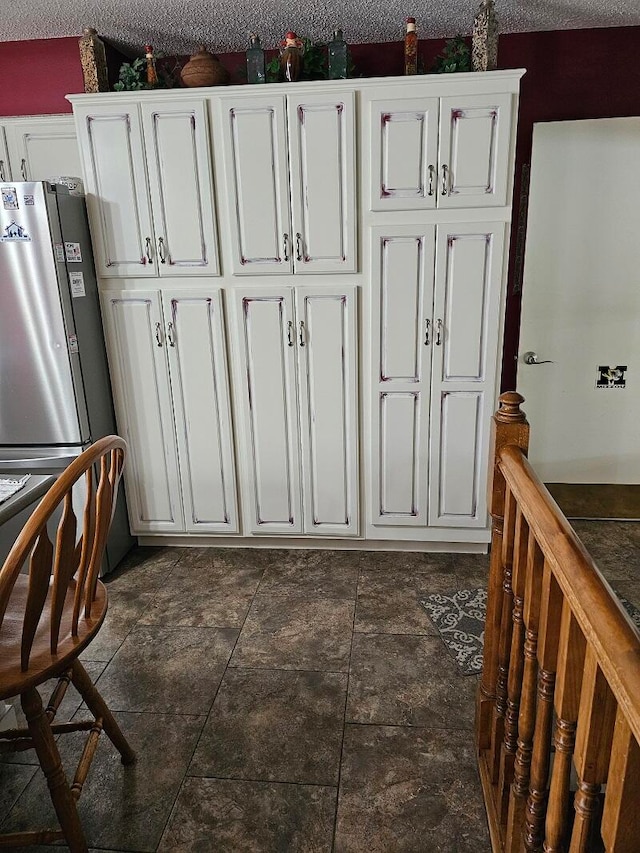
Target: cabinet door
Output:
[(323, 175), (401, 347), (116, 185), (474, 150), (327, 353), (136, 346), (255, 156), (469, 263), (404, 153), (266, 339), (5, 167), (199, 382), (43, 148), (181, 187)]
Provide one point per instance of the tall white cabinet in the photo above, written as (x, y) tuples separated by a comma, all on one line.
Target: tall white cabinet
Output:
[(37, 148), (302, 287)]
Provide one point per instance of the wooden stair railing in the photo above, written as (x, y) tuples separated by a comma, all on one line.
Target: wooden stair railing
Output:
[(558, 705)]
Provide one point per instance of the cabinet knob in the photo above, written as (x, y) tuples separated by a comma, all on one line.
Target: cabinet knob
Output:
[(23, 169)]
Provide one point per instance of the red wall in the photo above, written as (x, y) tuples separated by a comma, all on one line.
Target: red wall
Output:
[(571, 74)]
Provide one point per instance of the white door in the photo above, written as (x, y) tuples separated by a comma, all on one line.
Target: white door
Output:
[(117, 194), (469, 259), (254, 133), (136, 346), (44, 148), (5, 167), (401, 346), (181, 186), (323, 175), (327, 352), (475, 131), (404, 153), (267, 349), (581, 302), (195, 341)]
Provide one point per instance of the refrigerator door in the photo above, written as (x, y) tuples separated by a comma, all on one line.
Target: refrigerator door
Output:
[(38, 399)]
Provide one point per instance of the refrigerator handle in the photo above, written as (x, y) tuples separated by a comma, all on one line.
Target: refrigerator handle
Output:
[(2, 177), (23, 169)]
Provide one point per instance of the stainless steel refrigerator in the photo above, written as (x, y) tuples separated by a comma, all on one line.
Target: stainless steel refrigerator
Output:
[(55, 396)]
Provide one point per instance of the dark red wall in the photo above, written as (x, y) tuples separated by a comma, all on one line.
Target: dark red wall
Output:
[(571, 74)]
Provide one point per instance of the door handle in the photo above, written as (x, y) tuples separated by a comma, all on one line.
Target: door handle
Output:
[(531, 357), (23, 169), (445, 179), (159, 334), (170, 335), (161, 252), (285, 246), (427, 329), (432, 174), (299, 246), (302, 334), (438, 332), (289, 333), (147, 249), (2, 177)]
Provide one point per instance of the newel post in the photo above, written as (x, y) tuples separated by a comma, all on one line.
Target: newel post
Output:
[(509, 426)]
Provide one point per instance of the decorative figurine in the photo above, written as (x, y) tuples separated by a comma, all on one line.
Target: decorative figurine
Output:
[(152, 74), (411, 48), (94, 62), (256, 72), (291, 51), (484, 42), (338, 52)]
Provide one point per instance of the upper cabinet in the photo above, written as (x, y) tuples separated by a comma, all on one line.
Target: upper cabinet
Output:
[(149, 188), (448, 152), (290, 172), (38, 148)]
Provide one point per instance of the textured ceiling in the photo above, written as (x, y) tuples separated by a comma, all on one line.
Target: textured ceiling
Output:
[(176, 26)]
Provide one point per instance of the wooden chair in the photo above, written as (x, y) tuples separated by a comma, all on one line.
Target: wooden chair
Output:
[(47, 617)]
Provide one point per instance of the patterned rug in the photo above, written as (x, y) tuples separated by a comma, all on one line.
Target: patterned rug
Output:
[(459, 617)]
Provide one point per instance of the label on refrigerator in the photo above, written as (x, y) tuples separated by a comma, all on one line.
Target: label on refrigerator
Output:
[(74, 255), (73, 343), (58, 248), (14, 233), (29, 199), (9, 198), (76, 283)]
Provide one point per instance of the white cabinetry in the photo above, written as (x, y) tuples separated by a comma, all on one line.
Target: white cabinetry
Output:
[(448, 152), (290, 177), (150, 189), (37, 148), (297, 362), (168, 364)]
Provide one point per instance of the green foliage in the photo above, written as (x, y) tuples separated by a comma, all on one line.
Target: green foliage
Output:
[(314, 63), (455, 56), (133, 75)]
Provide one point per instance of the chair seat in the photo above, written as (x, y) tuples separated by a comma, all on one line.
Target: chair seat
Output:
[(42, 664)]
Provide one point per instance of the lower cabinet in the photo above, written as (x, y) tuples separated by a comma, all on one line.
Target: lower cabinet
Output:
[(169, 373), (297, 395), (435, 308)]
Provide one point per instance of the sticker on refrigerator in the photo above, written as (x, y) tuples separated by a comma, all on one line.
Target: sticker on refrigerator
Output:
[(611, 376), (76, 283), (74, 255), (73, 343), (58, 248), (29, 199), (9, 198), (14, 233)]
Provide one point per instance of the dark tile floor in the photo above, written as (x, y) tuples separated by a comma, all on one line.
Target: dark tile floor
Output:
[(284, 701)]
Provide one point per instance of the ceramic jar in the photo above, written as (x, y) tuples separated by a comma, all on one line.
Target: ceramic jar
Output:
[(204, 69)]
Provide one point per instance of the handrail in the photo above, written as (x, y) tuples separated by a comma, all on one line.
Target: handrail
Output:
[(602, 619)]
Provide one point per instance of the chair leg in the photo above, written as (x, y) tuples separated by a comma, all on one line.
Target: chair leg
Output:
[(49, 758), (98, 708)]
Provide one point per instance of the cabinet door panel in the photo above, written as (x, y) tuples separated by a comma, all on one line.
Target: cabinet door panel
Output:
[(469, 263), (5, 166), (273, 496), (117, 197), (43, 149), (138, 365), (255, 153), (199, 382), (402, 340), (328, 409), (323, 170), (180, 181), (474, 147), (404, 151)]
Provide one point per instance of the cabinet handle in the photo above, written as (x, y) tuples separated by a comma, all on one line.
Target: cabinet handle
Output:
[(432, 176), (299, 246), (23, 169), (445, 180), (170, 334), (302, 334), (427, 329), (159, 334), (438, 332), (147, 249), (290, 333), (161, 252), (285, 246), (2, 177)]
